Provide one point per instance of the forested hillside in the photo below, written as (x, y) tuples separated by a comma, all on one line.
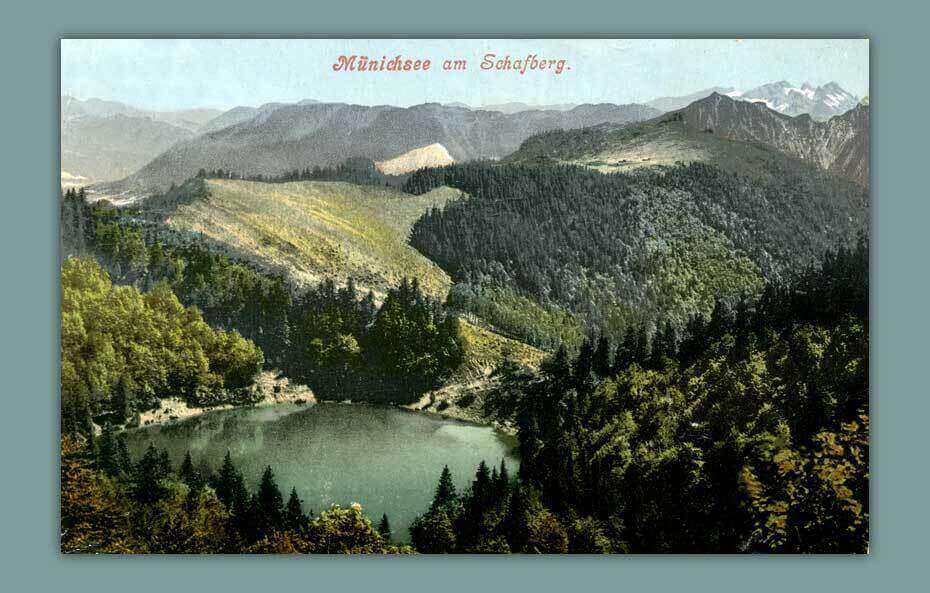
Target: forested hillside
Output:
[(122, 350), (540, 250), (749, 435), (343, 343)]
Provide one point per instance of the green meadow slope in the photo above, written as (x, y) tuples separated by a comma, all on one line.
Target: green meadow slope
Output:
[(314, 230)]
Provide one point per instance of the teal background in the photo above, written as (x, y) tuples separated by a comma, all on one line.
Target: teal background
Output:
[(29, 293)]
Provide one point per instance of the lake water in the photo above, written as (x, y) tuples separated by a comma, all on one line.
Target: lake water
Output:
[(385, 458)]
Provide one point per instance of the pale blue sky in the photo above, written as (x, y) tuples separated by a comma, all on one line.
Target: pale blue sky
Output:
[(165, 74)]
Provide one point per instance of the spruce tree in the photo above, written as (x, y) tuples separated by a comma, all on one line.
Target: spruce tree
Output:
[(164, 464), (384, 528), (603, 359), (148, 475), (270, 502), (122, 454), (294, 517), (107, 458), (122, 399), (230, 487), (187, 473), (445, 490), (481, 489), (503, 480)]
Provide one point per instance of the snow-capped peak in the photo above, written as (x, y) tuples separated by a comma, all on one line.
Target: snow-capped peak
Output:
[(821, 102)]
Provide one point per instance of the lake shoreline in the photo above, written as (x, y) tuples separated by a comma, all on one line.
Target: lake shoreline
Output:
[(272, 385), (277, 389)]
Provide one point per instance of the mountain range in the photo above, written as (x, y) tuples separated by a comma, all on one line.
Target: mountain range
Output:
[(704, 131), (821, 103), (107, 140), (137, 151), (295, 136)]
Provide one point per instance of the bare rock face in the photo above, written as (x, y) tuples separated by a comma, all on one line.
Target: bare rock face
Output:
[(434, 155)]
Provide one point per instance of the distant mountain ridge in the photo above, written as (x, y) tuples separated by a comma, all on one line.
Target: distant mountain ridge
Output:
[(839, 145), (706, 130), (107, 140), (293, 136), (675, 103), (821, 103)]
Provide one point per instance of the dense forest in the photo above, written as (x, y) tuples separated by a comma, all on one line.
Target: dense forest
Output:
[(621, 250), (121, 350), (748, 434), (340, 343)]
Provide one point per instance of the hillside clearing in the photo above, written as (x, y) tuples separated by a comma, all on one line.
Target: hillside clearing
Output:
[(314, 230)]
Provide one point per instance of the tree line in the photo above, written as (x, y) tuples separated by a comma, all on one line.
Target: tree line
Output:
[(360, 171)]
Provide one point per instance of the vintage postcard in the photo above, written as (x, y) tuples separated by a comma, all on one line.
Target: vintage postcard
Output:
[(430, 296)]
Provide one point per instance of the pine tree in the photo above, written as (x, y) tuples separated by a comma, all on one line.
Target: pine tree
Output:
[(603, 358), (187, 473), (445, 490), (294, 517), (270, 502), (503, 481), (384, 528), (107, 457), (148, 475), (122, 398)]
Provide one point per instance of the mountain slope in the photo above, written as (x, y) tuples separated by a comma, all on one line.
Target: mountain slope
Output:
[(289, 137), (821, 103), (314, 230), (107, 140), (104, 148), (705, 131), (648, 246)]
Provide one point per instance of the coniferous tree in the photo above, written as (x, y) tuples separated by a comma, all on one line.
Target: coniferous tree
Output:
[(294, 516), (122, 454), (187, 473), (384, 528), (147, 477), (603, 358), (503, 481), (107, 454), (269, 502), (230, 487), (445, 489), (122, 398)]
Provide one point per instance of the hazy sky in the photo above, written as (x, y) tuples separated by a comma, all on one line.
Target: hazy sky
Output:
[(167, 74)]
